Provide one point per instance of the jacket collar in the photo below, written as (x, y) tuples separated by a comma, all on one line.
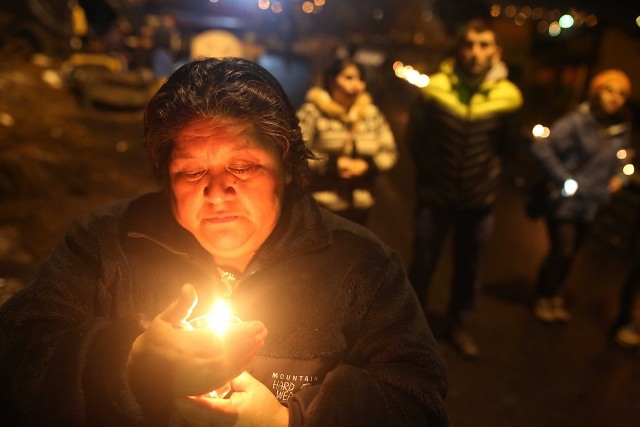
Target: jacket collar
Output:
[(300, 229), (323, 101), (497, 72)]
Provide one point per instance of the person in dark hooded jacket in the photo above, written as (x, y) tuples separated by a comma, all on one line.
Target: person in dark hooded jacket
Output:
[(329, 331), (582, 157)]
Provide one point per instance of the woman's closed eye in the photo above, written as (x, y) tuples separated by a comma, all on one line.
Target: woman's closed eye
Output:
[(193, 175), (242, 171)]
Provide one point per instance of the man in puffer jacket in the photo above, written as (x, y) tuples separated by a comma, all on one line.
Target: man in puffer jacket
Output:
[(351, 140), (463, 124), (330, 331)]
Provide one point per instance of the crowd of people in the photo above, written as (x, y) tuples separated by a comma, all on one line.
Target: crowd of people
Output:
[(264, 207)]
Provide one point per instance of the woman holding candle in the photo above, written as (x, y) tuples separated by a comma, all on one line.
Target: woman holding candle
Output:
[(103, 335)]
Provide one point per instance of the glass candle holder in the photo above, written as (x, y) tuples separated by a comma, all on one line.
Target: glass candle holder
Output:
[(219, 321)]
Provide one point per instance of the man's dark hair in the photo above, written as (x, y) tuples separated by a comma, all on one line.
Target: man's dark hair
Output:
[(233, 88), (477, 25), (336, 67)]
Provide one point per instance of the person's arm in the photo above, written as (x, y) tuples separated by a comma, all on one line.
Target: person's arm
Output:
[(548, 150), (386, 155), (393, 373)]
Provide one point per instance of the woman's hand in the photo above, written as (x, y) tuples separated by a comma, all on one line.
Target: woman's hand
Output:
[(251, 404), (349, 167), (190, 361)]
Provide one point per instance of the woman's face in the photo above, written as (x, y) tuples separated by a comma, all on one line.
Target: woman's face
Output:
[(227, 185), (349, 82), (611, 97)]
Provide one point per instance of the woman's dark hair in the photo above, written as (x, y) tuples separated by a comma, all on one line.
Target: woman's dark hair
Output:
[(336, 68), (233, 88)]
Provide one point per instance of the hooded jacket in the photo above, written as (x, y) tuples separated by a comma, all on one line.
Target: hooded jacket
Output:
[(458, 135), (348, 342), (583, 147), (331, 131)]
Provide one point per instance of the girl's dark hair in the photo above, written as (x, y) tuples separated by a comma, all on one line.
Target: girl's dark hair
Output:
[(336, 68), (233, 88)]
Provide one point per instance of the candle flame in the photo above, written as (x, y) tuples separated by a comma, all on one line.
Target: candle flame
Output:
[(219, 318)]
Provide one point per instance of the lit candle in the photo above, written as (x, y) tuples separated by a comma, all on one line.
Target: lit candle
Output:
[(219, 320)]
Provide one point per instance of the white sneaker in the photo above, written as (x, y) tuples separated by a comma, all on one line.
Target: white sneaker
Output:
[(627, 336), (560, 312), (544, 310)]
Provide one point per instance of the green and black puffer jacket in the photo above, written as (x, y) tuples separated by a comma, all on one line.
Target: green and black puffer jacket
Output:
[(458, 136)]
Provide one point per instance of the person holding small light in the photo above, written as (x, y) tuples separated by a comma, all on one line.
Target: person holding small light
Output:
[(580, 156), (331, 332)]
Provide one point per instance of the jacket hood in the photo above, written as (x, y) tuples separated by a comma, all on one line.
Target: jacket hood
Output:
[(498, 71)]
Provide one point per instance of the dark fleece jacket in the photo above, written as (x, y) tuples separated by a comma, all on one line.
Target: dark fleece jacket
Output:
[(348, 342)]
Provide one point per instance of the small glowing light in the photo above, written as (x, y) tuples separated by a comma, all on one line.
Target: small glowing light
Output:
[(276, 7), (318, 3), (122, 146), (307, 7), (542, 27), (638, 21), (578, 20), (591, 20), (537, 13), (520, 19), (411, 75), (570, 187), (566, 21), (554, 29), (264, 4), (628, 169), (495, 10), (218, 320), (540, 131), (526, 11), (378, 14), (422, 80), (510, 11), (621, 154)]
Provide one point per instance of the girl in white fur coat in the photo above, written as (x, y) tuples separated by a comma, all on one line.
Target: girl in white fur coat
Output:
[(351, 139)]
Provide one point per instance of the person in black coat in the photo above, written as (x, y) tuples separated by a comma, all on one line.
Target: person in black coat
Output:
[(320, 327)]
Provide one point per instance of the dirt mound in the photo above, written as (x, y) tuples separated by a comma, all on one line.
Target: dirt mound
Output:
[(59, 159)]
